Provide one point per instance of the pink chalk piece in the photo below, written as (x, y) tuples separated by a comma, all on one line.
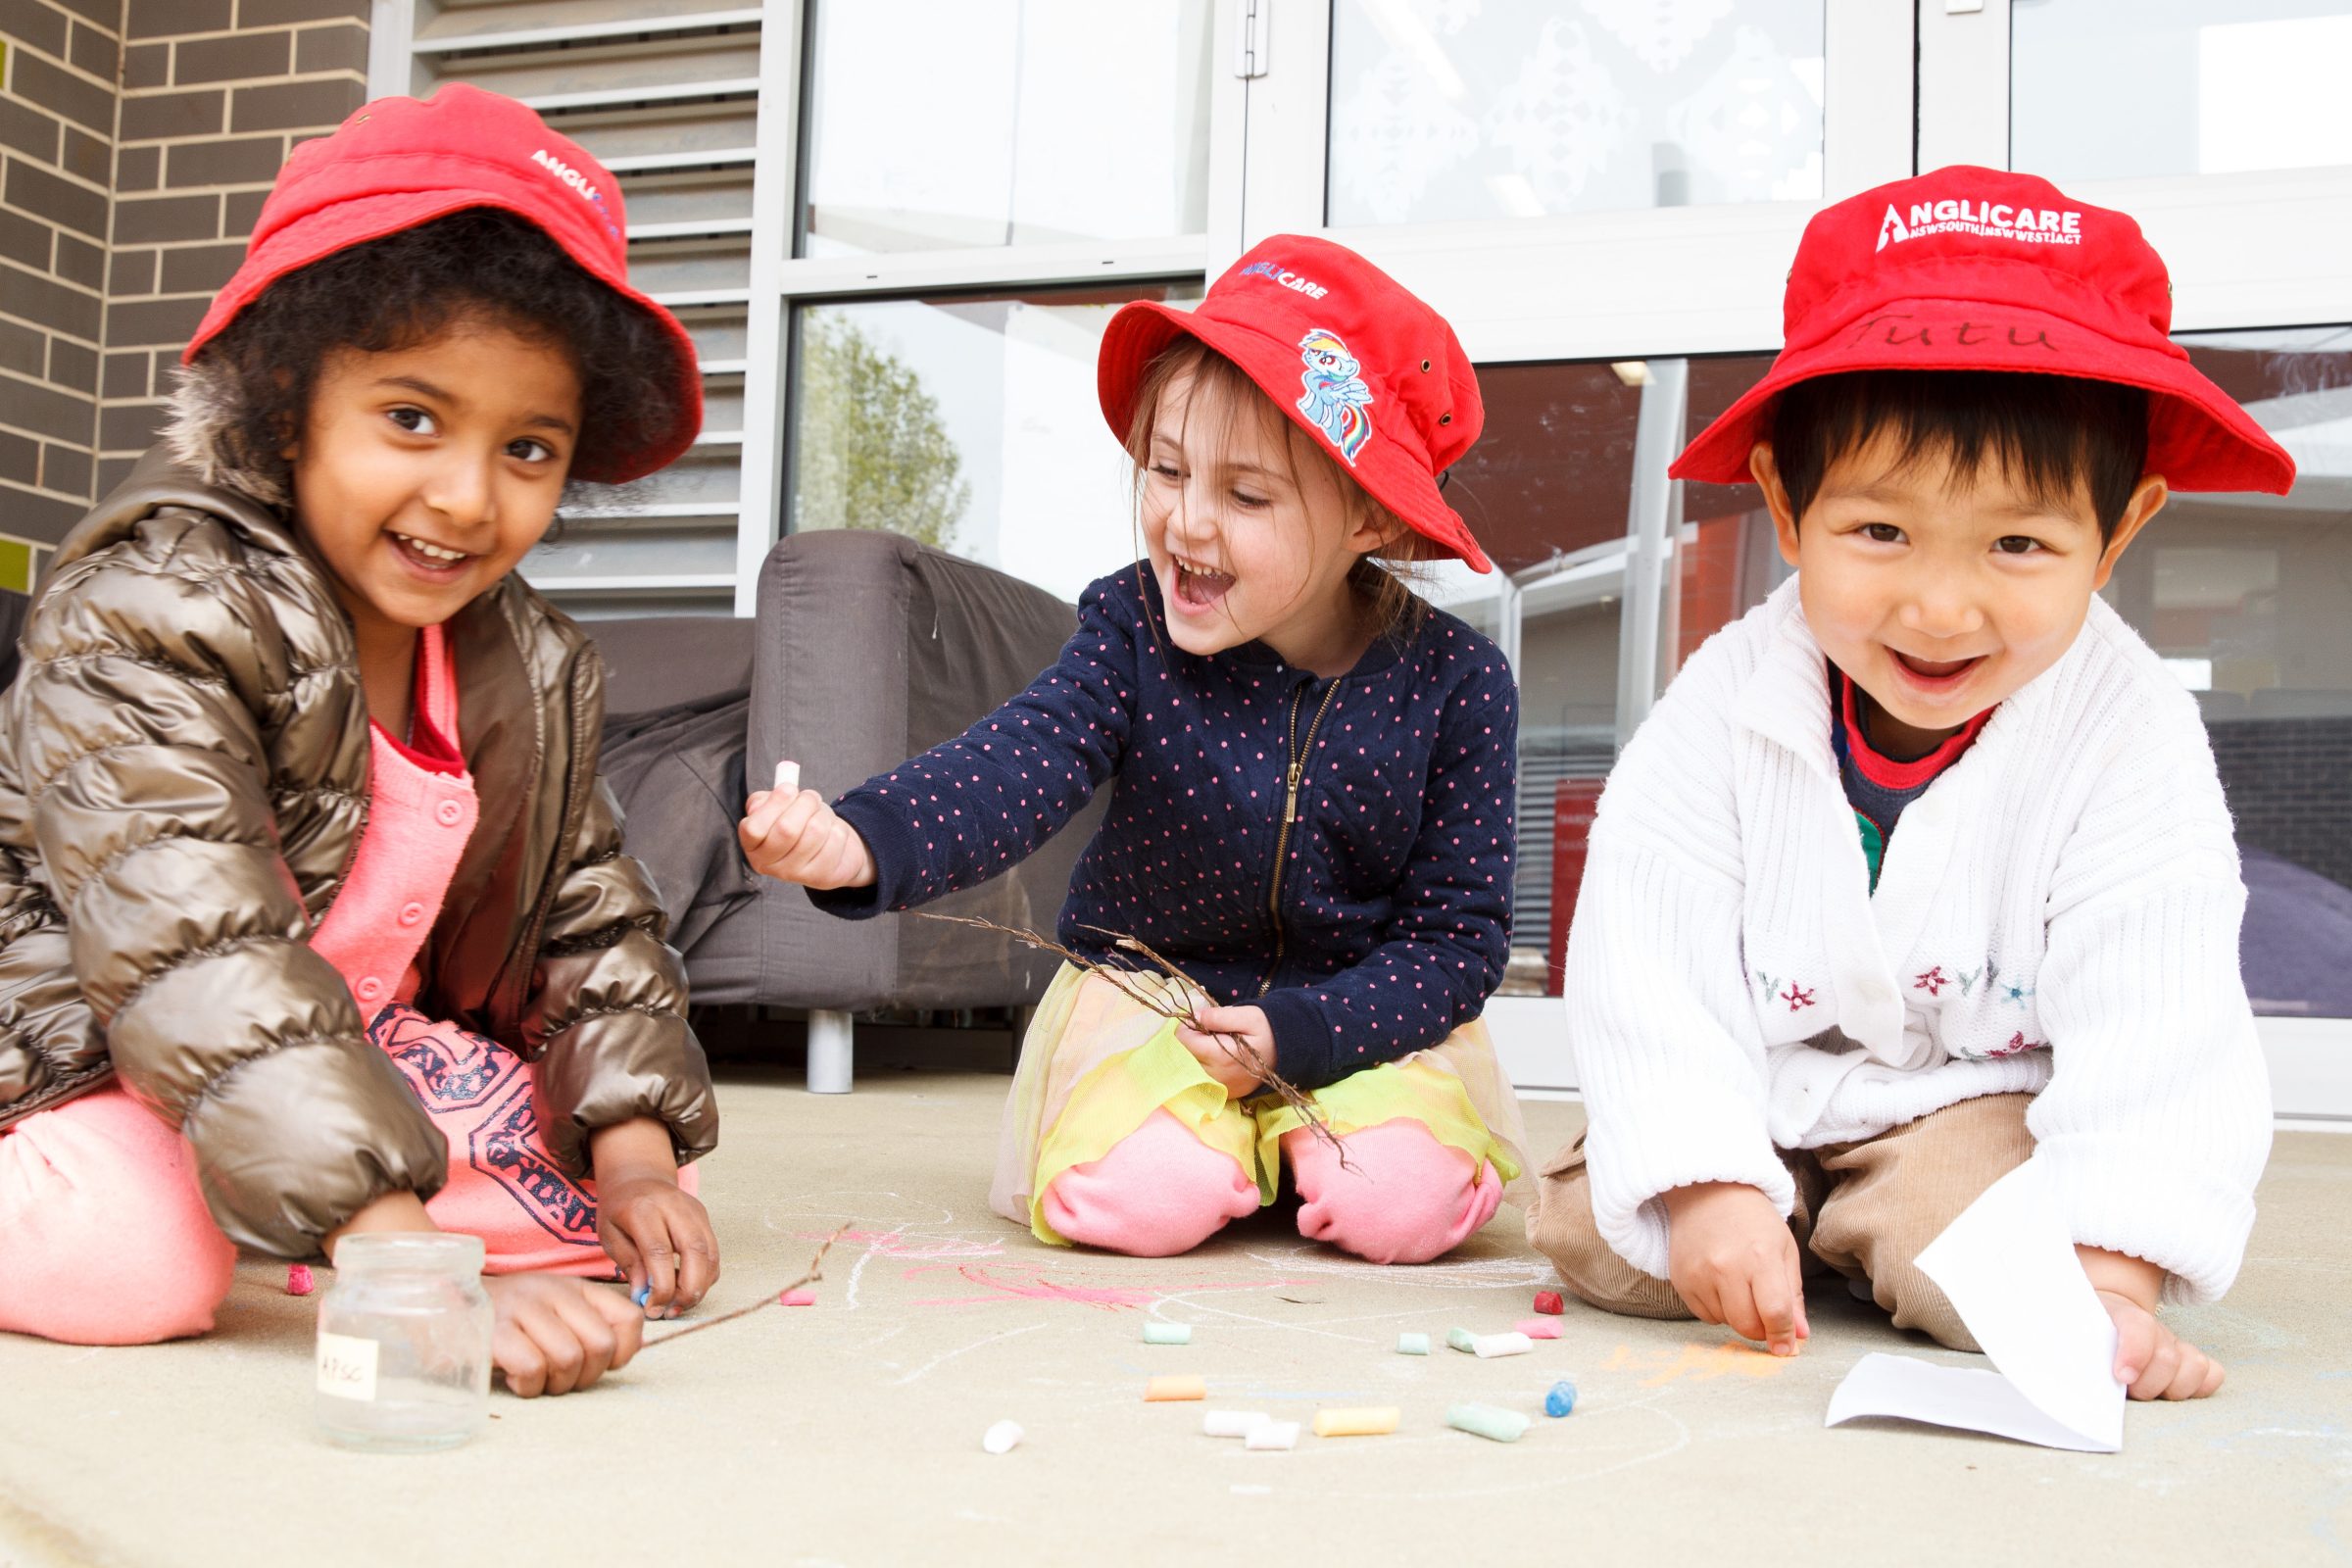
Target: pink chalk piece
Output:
[(802, 1298), (1538, 1328), (299, 1281), (1550, 1301)]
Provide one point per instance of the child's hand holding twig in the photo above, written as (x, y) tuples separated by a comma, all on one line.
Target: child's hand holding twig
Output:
[(791, 834), (1235, 1046)]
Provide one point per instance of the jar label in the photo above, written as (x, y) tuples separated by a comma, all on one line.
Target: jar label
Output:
[(346, 1366)]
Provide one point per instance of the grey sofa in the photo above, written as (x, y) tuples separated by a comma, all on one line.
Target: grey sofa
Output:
[(867, 648)]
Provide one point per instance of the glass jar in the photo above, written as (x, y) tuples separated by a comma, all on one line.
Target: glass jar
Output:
[(404, 1342)]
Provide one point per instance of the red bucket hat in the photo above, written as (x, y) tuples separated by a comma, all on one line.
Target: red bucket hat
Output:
[(397, 162), (1344, 349), (1982, 270)]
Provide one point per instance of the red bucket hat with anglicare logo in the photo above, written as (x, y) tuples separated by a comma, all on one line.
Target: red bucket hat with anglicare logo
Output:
[(398, 162), (1982, 270), (1359, 361)]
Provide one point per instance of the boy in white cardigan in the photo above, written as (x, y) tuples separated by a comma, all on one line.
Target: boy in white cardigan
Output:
[(1921, 869)]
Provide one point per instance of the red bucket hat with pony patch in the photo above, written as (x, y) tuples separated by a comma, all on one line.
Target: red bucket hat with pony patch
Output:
[(1972, 268), (1353, 358), (398, 162)]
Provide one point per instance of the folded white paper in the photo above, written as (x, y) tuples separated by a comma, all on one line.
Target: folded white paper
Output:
[(2008, 1265)]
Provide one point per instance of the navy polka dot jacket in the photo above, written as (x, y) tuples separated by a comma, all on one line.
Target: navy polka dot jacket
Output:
[(1366, 909)]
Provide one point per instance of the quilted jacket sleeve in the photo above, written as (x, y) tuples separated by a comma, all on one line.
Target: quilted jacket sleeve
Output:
[(606, 1017), (138, 718)]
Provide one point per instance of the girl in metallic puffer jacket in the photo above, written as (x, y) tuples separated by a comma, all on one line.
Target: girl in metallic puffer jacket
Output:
[(313, 912)]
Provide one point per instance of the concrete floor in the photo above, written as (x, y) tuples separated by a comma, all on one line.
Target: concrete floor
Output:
[(849, 1433)]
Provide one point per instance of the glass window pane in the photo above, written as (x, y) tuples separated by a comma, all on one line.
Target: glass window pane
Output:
[(1546, 490), (2248, 598), (1726, 559), (968, 422), (1453, 109), (948, 123), (2113, 89)]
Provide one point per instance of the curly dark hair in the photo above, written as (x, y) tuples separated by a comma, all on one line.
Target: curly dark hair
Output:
[(247, 394)]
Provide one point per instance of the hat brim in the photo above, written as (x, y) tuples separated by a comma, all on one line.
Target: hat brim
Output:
[(2198, 437), (1399, 480), (335, 227)]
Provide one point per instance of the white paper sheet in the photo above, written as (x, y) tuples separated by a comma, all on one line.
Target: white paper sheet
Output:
[(2008, 1265)]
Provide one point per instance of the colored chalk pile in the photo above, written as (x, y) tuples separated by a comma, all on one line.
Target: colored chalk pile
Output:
[(1232, 1423), (1487, 1421), (1371, 1421), (1550, 1303), (1486, 1346), (1412, 1344), (1167, 1334), (800, 1298), (1537, 1328), (299, 1280), (1175, 1387), (1461, 1339), (1003, 1437), (1562, 1399)]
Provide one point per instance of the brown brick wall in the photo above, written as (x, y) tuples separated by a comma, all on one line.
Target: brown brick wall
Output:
[(57, 127), (214, 94)]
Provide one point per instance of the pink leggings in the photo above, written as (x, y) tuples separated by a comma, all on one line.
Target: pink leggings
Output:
[(1404, 1198), (105, 1239)]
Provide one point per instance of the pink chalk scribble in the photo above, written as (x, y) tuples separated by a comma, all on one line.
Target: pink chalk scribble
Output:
[(898, 1244)]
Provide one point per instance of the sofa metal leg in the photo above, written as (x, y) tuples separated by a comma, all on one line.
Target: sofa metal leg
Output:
[(831, 1035)]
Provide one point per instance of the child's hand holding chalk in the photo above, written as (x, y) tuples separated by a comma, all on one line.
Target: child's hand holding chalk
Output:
[(791, 834)]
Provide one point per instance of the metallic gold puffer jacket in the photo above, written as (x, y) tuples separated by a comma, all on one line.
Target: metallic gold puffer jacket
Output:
[(183, 781)]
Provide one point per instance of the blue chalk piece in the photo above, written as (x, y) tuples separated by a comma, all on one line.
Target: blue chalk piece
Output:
[(639, 1295), (1562, 1399)]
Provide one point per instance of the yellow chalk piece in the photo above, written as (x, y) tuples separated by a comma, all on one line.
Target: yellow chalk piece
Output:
[(1368, 1422), (1175, 1389)]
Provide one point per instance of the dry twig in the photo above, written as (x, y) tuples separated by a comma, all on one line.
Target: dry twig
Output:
[(816, 1271), (1153, 998)]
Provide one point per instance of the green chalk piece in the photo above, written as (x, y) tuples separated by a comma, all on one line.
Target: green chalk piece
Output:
[(1412, 1344), (1462, 1339), (1503, 1425), (1167, 1334)]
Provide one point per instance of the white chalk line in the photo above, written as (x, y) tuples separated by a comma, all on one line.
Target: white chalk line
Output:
[(951, 1355)]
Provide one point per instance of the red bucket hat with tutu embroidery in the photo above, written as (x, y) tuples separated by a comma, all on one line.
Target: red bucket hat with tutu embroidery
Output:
[(1982, 270), (397, 162), (1355, 359)]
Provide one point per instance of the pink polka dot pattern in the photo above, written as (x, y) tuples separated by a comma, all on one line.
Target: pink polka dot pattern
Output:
[(1394, 895)]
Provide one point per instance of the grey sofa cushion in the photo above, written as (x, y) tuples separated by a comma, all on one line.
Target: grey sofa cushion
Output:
[(871, 648)]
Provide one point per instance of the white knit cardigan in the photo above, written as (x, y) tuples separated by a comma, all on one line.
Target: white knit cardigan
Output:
[(2058, 913)]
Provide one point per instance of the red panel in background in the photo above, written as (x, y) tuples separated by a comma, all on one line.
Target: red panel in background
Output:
[(1573, 803)]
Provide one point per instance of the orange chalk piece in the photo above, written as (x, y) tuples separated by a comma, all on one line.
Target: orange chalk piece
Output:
[(1175, 1387), (1371, 1421)]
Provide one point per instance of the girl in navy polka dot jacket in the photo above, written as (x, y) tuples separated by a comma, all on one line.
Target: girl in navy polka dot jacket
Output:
[(1314, 813)]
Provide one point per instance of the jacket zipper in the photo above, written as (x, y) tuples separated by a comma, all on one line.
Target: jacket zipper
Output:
[(1289, 814)]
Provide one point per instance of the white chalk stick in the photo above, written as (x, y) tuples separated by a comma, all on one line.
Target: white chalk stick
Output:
[(1489, 1346), (1003, 1437), (1272, 1435), (788, 778), (1232, 1423)]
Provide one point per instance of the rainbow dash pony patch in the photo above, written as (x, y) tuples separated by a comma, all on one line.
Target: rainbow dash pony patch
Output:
[(1335, 395)]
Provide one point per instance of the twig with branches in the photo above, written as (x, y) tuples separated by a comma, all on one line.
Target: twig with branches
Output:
[(1184, 1008), (816, 1271)]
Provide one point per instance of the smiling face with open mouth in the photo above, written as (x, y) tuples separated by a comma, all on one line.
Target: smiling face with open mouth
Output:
[(1251, 537), (1941, 593), (426, 474)]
